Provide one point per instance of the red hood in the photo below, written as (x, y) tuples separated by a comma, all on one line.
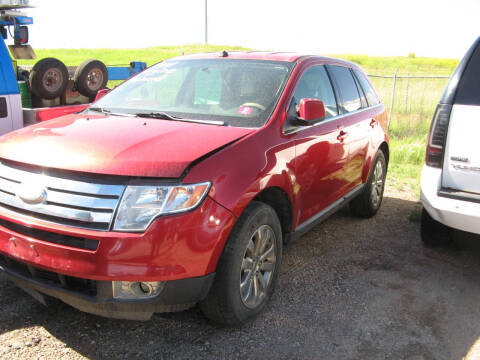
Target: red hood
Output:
[(116, 145)]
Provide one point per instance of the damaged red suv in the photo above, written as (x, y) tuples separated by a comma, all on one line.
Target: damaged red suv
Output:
[(181, 185)]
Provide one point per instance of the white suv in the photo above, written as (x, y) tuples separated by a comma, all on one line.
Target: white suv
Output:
[(450, 182)]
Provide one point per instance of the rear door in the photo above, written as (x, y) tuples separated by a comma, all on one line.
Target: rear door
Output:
[(356, 122), (461, 167)]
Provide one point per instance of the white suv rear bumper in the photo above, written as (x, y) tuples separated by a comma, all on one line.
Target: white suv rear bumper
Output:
[(458, 214)]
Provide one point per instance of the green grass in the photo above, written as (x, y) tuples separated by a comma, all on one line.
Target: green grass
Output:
[(409, 150), (415, 99), (383, 65), (72, 57)]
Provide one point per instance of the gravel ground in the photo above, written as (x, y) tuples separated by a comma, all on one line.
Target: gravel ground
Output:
[(349, 289)]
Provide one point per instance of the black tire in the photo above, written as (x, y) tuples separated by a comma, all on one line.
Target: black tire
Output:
[(48, 78), (226, 304), (434, 233), (91, 76), (365, 205)]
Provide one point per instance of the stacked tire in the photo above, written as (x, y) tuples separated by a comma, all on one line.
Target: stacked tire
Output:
[(49, 78)]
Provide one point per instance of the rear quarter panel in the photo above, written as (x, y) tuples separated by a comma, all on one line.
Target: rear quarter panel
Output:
[(378, 136)]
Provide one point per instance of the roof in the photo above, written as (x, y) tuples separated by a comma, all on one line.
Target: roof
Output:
[(250, 55), (261, 55)]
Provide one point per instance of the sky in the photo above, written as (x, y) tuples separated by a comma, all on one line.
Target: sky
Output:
[(437, 28)]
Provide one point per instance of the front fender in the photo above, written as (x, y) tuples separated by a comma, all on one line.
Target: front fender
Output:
[(242, 170)]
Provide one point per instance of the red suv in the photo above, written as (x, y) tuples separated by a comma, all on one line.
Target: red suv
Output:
[(181, 185)]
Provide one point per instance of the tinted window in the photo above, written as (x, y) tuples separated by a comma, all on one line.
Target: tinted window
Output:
[(361, 92), (468, 91), (315, 84), (372, 98), (350, 98)]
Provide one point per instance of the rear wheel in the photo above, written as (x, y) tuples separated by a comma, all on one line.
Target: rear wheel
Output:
[(248, 268), (434, 233), (368, 202)]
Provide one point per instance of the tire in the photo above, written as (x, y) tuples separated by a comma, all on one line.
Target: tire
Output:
[(91, 76), (368, 202), (434, 233), (229, 302), (48, 78)]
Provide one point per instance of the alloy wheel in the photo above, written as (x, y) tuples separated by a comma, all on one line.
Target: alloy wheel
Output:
[(258, 266), (377, 184)]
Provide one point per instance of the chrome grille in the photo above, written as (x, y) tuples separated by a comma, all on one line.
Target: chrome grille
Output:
[(70, 202)]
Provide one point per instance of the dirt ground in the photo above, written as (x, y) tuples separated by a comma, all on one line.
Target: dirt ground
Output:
[(349, 289)]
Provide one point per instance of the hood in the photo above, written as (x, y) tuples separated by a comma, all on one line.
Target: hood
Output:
[(116, 145)]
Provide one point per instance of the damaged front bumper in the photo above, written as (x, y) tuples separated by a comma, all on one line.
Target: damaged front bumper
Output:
[(96, 297)]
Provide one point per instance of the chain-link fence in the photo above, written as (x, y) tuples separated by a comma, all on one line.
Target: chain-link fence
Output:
[(410, 101)]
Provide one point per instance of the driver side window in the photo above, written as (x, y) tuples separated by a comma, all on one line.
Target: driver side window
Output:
[(315, 84)]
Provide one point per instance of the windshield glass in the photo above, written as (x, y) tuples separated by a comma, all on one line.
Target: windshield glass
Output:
[(237, 92)]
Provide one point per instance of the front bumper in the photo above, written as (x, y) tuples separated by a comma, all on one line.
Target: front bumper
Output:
[(459, 214), (96, 297), (173, 247), (181, 250)]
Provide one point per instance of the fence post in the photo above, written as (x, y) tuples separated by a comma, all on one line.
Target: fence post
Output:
[(393, 98), (406, 96)]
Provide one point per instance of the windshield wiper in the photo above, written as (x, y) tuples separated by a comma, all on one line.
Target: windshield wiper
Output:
[(166, 116), (99, 109), (158, 115), (106, 111)]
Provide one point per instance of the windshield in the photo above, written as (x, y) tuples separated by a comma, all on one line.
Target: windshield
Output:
[(236, 92)]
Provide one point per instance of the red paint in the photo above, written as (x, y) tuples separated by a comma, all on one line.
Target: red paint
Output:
[(311, 109), (44, 114), (116, 145), (173, 247), (313, 167)]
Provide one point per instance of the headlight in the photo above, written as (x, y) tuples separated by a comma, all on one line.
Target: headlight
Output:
[(140, 205)]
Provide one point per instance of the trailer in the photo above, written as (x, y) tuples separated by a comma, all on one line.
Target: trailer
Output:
[(48, 89)]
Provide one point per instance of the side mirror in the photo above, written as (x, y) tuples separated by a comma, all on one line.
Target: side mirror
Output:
[(311, 110), (101, 93)]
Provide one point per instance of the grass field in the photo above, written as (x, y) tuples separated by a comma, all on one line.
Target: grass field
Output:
[(124, 56), (414, 104)]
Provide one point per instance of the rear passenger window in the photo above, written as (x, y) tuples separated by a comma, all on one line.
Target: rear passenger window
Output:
[(363, 100), (349, 96), (315, 84), (372, 98), (468, 91)]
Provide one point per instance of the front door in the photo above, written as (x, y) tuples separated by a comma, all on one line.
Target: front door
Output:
[(321, 150)]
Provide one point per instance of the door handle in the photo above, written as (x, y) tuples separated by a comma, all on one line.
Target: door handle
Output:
[(373, 123), (341, 136)]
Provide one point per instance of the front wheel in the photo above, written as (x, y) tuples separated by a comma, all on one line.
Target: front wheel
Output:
[(248, 268), (368, 202)]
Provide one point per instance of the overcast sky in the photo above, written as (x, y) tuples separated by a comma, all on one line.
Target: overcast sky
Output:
[(437, 28)]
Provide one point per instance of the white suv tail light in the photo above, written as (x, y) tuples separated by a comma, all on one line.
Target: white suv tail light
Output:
[(437, 135)]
